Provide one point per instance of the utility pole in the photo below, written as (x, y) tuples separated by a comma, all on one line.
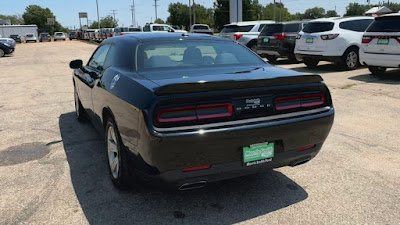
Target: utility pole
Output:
[(194, 12), (98, 17), (133, 13), (155, 8), (280, 12), (114, 11), (190, 13), (275, 10)]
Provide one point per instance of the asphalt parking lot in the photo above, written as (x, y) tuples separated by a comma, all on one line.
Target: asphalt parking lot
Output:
[(53, 169)]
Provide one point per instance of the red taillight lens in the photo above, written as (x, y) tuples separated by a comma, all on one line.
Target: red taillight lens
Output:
[(329, 36), (196, 168), (306, 147), (238, 36), (398, 39), (279, 36), (195, 113), (299, 101), (366, 39)]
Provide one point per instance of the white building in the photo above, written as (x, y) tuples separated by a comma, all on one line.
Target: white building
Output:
[(21, 30), (378, 11)]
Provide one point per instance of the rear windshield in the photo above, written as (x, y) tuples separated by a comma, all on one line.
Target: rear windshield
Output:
[(235, 28), (200, 27), (44, 34), (271, 29), (193, 53), (385, 24), (59, 34), (317, 27), (134, 29), (13, 35), (29, 35)]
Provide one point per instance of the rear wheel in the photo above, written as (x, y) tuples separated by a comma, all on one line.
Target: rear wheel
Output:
[(376, 70), (272, 58), (350, 59), (311, 63), (121, 173), (2, 53)]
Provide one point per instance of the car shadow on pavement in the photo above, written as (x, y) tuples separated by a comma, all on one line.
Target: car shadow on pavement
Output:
[(321, 69), (390, 77), (283, 62), (224, 202)]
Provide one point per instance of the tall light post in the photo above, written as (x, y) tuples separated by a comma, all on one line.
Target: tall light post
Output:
[(98, 17), (274, 11), (190, 13)]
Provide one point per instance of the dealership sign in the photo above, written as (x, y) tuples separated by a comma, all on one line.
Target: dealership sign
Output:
[(83, 15)]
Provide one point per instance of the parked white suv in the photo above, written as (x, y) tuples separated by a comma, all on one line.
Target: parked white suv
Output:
[(332, 39), (59, 36), (381, 44), (245, 33), (161, 28), (30, 37)]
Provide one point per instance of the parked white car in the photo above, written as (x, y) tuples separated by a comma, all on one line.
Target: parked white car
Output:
[(381, 44), (59, 36), (332, 39), (201, 29), (161, 28), (245, 33), (30, 38)]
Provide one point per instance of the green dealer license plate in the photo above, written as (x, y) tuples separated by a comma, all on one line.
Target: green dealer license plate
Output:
[(258, 154), (266, 40), (383, 41), (309, 40)]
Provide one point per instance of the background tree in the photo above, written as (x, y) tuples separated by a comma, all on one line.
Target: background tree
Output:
[(106, 22), (331, 13), (178, 15), (356, 9), (15, 19), (35, 14), (221, 14), (314, 13), (204, 15), (282, 13), (158, 20)]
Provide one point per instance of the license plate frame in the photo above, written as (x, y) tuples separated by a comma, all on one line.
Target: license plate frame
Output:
[(383, 41), (266, 40), (309, 40), (258, 153)]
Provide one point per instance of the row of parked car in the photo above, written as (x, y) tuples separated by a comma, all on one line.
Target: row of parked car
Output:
[(349, 42)]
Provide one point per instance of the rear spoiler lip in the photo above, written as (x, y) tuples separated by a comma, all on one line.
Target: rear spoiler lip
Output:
[(232, 84)]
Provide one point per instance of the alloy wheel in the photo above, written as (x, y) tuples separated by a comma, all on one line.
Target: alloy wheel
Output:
[(1, 53), (352, 59), (113, 152)]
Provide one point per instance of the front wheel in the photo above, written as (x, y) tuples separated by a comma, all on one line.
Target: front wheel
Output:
[(272, 59), (350, 59), (2, 53), (376, 70), (79, 111), (311, 63), (121, 173)]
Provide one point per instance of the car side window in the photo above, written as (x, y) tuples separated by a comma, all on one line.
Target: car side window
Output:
[(261, 27), (99, 57), (356, 25), (158, 28), (167, 28)]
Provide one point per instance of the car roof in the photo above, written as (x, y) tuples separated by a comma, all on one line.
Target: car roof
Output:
[(390, 15), (246, 23), (146, 37), (341, 19)]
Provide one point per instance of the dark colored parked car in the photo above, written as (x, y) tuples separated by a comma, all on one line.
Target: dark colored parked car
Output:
[(185, 110), (278, 40), (44, 37), (16, 38), (6, 48), (73, 35)]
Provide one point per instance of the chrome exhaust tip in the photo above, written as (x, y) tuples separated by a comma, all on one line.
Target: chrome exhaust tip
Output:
[(194, 185), (299, 162)]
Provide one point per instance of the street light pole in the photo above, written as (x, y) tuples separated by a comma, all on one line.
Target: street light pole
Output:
[(274, 11), (190, 13), (98, 17)]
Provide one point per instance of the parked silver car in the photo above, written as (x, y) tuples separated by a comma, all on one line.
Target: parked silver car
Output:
[(245, 33)]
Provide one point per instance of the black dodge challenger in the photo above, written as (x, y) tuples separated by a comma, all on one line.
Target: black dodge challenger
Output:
[(185, 110)]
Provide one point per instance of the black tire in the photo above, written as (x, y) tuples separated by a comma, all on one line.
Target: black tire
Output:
[(252, 46), (351, 59), (55, 39), (271, 58), (124, 177), (376, 70), (311, 63), (2, 53), (79, 110)]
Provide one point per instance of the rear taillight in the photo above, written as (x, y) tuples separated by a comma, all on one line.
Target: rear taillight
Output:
[(280, 36), (398, 39), (192, 113), (238, 36), (188, 169), (329, 36), (306, 147), (299, 101), (366, 39)]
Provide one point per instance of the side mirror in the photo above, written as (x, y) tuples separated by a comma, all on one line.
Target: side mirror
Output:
[(76, 64)]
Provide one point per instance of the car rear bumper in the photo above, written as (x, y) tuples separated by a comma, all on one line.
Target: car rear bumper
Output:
[(273, 51), (381, 60), (301, 57), (163, 158)]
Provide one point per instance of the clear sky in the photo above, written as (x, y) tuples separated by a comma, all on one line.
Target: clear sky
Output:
[(66, 11)]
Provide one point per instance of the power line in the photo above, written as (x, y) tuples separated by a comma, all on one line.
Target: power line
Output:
[(133, 13)]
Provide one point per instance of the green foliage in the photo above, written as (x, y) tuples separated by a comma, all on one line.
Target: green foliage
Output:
[(203, 15), (106, 22), (15, 19), (221, 14), (35, 14), (314, 13), (282, 13), (356, 9), (178, 14), (158, 20), (331, 13)]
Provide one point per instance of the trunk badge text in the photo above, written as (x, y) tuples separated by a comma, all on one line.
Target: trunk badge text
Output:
[(114, 81)]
